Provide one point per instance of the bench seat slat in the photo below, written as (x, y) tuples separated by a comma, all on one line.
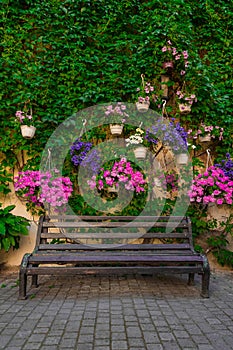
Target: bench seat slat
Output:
[(113, 258), (108, 235), (132, 246), (83, 224), (43, 270)]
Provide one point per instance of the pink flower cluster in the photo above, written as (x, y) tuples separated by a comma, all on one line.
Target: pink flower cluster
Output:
[(212, 187), (118, 109), (187, 98), (39, 188), (172, 52), (23, 117), (121, 172), (214, 131), (145, 91)]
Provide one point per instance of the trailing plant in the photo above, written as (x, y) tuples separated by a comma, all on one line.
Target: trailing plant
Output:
[(38, 188), (12, 227)]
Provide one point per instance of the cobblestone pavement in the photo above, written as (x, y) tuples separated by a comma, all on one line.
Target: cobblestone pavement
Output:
[(117, 313)]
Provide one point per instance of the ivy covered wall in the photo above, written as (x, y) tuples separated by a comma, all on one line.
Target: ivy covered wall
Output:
[(64, 56)]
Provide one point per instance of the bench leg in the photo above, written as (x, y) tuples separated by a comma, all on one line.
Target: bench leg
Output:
[(205, 279), (22, 284), (34, 281), (191, 279), (23, 277)]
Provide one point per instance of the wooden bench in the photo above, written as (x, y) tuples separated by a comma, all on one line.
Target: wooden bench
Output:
[(113, 245)]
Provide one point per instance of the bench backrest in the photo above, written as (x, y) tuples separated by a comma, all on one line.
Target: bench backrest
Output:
[(113, 232)]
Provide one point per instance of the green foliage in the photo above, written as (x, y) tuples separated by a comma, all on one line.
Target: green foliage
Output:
[(84, 53), (11, 228)]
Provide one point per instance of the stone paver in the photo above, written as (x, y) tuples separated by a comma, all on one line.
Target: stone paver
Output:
[(117, 313)]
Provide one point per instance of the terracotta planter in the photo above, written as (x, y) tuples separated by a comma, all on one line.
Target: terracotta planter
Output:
[(206, 138), (168, 64), (27, 132), (182, 158), (116, 129), (184, 108), (142, 107), (140, 152)]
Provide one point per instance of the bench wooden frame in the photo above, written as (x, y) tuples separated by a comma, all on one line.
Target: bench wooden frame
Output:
[(113, 245)]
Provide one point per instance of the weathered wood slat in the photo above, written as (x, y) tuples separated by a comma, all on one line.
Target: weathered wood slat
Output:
[(111, 270), (110, 235), (132, 246), (84, 224), (112, 258)]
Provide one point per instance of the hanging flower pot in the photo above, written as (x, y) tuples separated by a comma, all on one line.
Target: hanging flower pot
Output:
[(142, 106), (27, 131), (184, 108), (116, 129), (182, 158), (157, 182), (113, 189), (206, 138), (140, 152), (168, 64)]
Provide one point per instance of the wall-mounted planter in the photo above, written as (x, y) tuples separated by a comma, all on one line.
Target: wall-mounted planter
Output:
[(116, 129), (206, 138), (142, 106), (184, 108), (182, 158), (140, 152), (28, 132), (168, 64)]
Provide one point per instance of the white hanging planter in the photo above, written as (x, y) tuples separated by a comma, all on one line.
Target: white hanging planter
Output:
[(184, 108), (206, 138), (157, 182), (116, 129), (140, 152), (27, 131), (113, 189), (182, 158), (142, 106)]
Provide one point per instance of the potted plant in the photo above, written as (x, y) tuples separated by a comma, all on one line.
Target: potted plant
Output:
[(208, 132), (173, 136), (117, 116), (145, 93), (172, 58), (213, 186), (11, 228), (138, 139), (39, 188), (26, 121), (118, 172), (185, 101)]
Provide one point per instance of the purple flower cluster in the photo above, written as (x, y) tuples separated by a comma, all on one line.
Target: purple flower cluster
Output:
[(226, 166), (79, 150), (172, 135), (169, 181), (81, 154)]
